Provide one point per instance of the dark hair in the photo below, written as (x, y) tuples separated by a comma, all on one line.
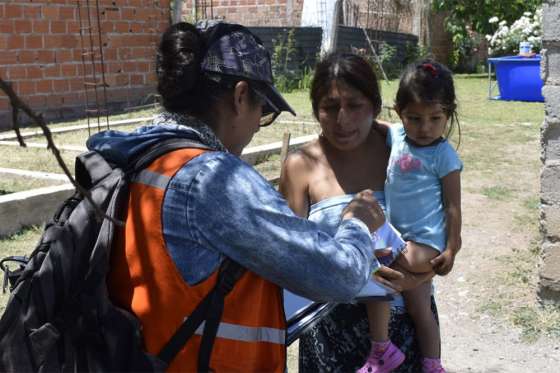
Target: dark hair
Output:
[(350, 69), (430, 82), (183, 87)]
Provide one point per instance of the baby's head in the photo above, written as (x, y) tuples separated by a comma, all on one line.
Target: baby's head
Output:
[(426, 101)]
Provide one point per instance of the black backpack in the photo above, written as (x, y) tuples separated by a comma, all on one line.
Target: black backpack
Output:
[(59, 317)]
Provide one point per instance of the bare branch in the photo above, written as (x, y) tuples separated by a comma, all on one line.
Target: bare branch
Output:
[(38, 119), (16, 126)]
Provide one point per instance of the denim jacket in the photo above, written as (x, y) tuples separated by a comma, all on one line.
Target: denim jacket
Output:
[(217, 205)]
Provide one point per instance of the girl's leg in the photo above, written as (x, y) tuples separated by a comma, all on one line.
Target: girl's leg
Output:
[(416, 258), (418, 305), (378, 318), (384, 356)]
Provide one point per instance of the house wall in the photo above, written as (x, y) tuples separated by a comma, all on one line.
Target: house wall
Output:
[(42, 53), (247, 12), (550, 154)]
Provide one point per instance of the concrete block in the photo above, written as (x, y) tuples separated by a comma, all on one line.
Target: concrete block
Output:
[(551, 95), (544, 64), (550, 175), (549, 274), (551, 21), (31, 207), (550, 64), (550, 221), (550, 140)]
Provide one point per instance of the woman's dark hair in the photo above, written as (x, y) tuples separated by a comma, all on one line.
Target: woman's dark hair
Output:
[(428, 81), (350, 69), (183, 86)]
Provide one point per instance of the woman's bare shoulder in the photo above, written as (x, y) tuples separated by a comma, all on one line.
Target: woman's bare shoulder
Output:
[(304, 157)]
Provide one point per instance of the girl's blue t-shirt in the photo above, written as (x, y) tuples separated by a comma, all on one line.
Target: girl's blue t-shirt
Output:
[(413, 189)]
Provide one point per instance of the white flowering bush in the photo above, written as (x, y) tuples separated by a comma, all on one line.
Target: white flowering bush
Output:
[(506, 39)]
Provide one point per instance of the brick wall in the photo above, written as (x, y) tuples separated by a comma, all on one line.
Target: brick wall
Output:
[(248, 12), (42, 55), (550, 154)]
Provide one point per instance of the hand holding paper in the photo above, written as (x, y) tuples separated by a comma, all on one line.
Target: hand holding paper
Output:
[(385, 238)]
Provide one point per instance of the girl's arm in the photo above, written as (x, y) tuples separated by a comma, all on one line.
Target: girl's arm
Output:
[(451, 187)]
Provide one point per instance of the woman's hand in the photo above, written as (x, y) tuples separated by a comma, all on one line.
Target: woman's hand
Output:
[(443, 263), (389, 277), (398, 278), (364, 206)]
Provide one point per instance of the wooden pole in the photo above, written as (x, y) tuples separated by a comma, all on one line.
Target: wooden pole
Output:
[(285, 147)]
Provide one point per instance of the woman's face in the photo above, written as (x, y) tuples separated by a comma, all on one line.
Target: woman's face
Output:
[(345, 115), (244, 122)]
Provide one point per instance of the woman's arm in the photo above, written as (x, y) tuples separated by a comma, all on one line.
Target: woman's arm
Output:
[(451, 187), (236, 212), (294, 183)]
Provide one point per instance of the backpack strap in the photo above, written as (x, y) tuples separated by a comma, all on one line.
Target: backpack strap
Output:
[(210, 310), (163, 147), (91, 167)]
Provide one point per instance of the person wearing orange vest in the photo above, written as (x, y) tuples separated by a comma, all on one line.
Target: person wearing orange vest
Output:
[(194, 207)]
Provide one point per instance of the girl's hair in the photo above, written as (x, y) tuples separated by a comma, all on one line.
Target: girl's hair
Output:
[(428, 81), (350, 69), (183, 86)]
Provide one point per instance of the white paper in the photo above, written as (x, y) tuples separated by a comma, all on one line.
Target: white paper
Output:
[(384, 237)]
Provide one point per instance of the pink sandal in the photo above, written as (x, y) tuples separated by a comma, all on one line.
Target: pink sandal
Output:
[(432, 365), (383, 361)]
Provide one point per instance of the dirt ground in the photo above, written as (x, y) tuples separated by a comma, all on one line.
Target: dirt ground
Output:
[(472, 340)]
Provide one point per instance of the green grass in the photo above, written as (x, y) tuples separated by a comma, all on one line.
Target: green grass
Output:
[(14, 183), (21, 243), (43, 160), (34, 159), (510, 301), (498, 193)]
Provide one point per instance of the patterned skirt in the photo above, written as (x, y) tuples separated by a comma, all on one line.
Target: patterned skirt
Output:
[(340, 341)]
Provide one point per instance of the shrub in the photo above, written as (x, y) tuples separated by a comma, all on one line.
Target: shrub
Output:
[(506, 39)]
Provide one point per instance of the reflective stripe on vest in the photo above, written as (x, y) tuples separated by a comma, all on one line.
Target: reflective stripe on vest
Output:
[(152, 179), (144, 280), (247, 333)]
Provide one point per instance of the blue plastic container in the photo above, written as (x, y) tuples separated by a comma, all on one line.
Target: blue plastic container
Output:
[(518, 78)]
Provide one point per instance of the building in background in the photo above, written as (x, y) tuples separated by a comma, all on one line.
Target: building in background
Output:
[(43, 55)]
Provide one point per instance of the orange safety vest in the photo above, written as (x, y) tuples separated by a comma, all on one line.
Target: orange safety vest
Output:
[(144, 280)]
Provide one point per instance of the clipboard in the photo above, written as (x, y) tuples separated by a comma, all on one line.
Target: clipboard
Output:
[(302, 314)]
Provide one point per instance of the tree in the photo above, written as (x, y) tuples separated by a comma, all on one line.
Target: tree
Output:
[(468, 16)]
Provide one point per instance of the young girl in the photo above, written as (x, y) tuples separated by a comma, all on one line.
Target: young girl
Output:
[(423, 198)]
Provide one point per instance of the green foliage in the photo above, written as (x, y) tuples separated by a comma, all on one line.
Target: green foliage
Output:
[(304, 82), (387, 57), (498, 193), (286, 74), (506, 39), (466, 18), (289, 73), (414, 52)]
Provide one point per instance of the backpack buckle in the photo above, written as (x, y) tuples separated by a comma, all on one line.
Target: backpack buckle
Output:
[(11, 276)]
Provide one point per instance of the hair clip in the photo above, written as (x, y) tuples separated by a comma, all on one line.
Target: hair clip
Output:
[(431, 68)]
